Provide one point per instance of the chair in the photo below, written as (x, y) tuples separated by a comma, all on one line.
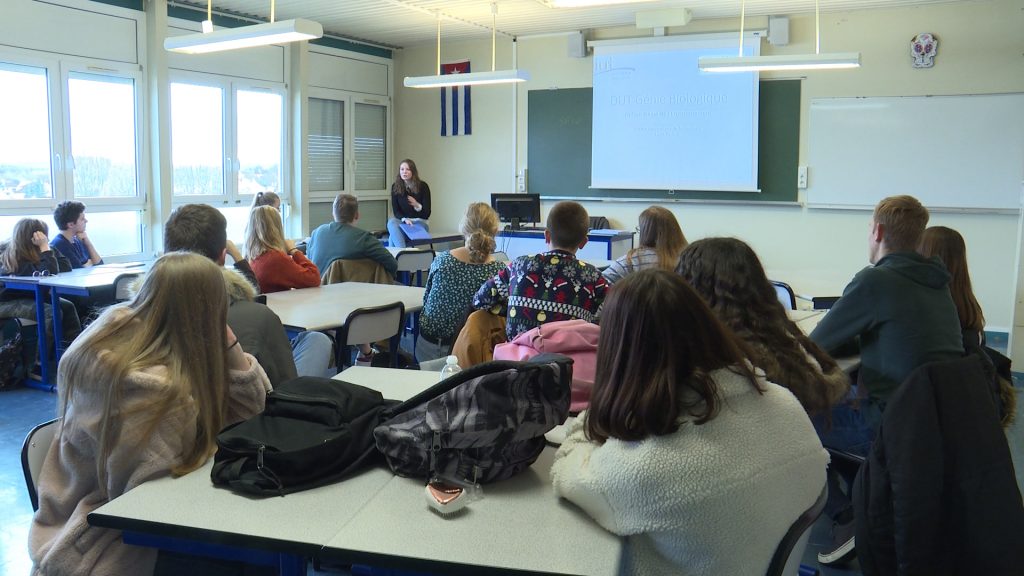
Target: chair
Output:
[(785, 294), (414, 262), (784, 561), (366, 325), (358, 270), (33, 453)]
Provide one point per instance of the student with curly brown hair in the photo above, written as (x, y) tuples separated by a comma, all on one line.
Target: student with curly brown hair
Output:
[(728, 275)]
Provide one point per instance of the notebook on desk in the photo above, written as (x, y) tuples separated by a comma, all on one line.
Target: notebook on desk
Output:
[(415, 231)]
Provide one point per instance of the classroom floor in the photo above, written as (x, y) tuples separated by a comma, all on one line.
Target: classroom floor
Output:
[(22, 408)]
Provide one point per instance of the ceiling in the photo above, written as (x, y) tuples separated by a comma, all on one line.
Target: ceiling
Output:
[(402, 23)]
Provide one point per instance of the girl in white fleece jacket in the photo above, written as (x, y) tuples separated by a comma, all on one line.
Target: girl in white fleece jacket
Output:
[(143, 392), (686, 451)]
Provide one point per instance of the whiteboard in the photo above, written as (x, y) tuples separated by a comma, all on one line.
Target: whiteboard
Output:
[(958, 152)]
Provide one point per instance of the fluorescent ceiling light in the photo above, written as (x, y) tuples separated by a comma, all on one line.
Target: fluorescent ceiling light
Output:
[(245, 37), (469, 79), (584, 3), (816, 61), (783, 62)]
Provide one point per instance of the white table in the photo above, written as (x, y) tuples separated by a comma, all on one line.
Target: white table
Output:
[(392, 383), (519, 526), (327, 307)]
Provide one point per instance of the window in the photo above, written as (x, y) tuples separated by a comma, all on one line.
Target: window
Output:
[(103, 136), (197, 139), (227, 143), (347, 146), (370, 151), (25, 169), (326, 146), (77, 139)]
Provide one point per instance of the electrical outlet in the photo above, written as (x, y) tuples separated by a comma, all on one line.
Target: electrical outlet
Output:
[(521, 181), (801, 177)]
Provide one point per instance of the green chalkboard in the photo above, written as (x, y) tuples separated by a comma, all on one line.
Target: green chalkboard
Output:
[(559, 137)]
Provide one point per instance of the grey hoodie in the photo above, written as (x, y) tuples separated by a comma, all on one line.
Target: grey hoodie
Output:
[(902, 311)]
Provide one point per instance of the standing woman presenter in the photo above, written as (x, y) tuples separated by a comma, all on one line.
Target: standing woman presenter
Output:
[(410, 202)]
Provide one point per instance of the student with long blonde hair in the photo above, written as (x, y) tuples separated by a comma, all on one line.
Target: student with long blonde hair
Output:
[(660, 242), (679, 452), (143, 393), (276, 262)]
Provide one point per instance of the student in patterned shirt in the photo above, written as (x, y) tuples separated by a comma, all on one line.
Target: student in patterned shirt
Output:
[(453, 279), (550, 286)]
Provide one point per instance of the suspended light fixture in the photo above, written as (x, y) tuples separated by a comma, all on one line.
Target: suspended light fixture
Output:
[(244, 36), (469, 78), (587, 3), (816, 61)]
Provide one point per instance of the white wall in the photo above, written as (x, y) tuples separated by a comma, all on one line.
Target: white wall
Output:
[(981, 51)]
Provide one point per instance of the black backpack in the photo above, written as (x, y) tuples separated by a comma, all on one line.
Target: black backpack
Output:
[(483, 424), (313, 431)]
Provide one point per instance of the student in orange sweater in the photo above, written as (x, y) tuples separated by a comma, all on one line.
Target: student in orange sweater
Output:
[(275, 261)]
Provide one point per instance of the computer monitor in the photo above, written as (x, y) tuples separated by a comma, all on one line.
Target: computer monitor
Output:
[(516, 209)]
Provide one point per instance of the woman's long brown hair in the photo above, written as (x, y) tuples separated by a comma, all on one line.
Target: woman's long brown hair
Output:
[(20, 247), (728, 275), (398, 188), (949, 246), (660, 231), (659, 345)]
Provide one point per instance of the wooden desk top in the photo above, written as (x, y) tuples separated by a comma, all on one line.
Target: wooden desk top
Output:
[(328, 307)]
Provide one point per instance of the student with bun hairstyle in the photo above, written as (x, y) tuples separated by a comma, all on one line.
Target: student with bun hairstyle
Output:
[(267, 199), (728, 275), (453, 279), (143, 393), (276, 262), (693, 457), (661, 240)]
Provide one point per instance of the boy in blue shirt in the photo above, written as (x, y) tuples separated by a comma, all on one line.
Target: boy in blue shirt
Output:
[(72, 241)]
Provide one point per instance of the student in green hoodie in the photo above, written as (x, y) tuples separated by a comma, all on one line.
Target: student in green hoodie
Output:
[(900, 313)]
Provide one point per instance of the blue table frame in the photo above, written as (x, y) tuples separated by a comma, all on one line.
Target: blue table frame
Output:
[(31, 284)]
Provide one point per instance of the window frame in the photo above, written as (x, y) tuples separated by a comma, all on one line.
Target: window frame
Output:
[(230, 86)]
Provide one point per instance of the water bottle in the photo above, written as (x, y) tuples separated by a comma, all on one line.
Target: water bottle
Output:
[(451, 367)]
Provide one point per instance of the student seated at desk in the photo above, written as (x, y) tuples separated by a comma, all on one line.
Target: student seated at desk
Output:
[(143, 394), (342, 240), (728, 275), (690, 454), (28, 253), (900, 312), (72, 241), (275, 261), (453, 279), (267, 199), (202, 229), (661, 241), (550, 286)]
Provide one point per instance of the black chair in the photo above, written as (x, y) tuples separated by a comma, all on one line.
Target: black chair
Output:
[(797, 532), (785, 294), (33, 453)]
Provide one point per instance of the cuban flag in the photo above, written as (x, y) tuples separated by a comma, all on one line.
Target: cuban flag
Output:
[(455, 103)]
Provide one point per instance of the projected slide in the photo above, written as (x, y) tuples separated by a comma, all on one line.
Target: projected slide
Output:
[(661, 124)]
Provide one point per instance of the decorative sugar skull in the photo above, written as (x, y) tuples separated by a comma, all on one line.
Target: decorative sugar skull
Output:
[(923, 48)]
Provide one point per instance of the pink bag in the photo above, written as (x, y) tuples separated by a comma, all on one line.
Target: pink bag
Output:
[(576, 339)]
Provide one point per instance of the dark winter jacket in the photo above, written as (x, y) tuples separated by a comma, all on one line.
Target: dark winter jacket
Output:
[(902, 311), (937, 495)]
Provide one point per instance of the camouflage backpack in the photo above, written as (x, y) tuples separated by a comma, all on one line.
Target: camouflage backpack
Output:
[(483, 424)]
